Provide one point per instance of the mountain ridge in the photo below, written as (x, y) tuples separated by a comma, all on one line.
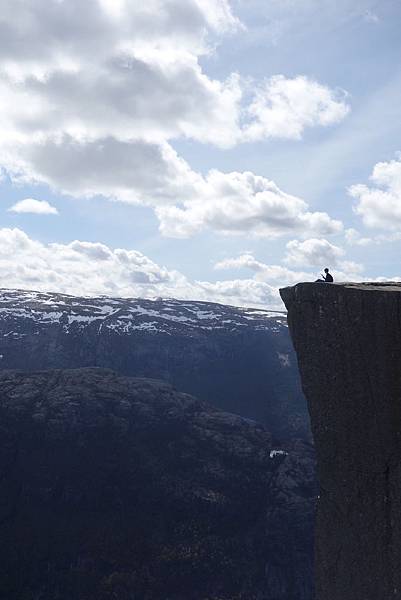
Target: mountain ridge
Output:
[(132, 313), (238, 359)]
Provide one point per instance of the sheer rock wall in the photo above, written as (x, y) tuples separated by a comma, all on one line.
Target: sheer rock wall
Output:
[(348, 342)]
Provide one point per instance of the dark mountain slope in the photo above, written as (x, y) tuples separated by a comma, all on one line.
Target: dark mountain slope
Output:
[(120, 488), (240, 360)]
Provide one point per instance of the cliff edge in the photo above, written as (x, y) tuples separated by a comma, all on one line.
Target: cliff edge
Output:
[(348, 341)]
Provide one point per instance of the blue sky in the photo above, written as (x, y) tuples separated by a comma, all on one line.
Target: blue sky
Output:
[(201, 149)]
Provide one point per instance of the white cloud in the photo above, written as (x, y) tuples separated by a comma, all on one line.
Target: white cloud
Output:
[(135, 171), (242, 292), (39, 32), (354, 238), (239, 203), (379, 205), (283, 108), (247, 261), (87, 268), (351, 268), (321, 253), (278, 275), (219, 14), (32, 206), (153, 174), (137, 74), (274, 274), (81, 268), (92, 94), (313, 252)]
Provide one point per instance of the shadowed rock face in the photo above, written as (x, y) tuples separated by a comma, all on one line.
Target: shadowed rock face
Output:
[(120, 488), (348, 342)]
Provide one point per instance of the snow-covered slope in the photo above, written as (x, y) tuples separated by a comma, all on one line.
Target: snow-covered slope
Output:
[(125, 315), (240, 360)]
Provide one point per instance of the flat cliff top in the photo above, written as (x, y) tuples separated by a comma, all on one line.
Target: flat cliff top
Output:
[(364, 285), (314, 288)]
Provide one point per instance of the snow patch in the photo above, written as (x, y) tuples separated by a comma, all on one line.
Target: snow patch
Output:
[(274, 453), (284, 359)]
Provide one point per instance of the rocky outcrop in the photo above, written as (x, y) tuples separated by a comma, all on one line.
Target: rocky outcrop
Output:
[(120, 488), (240, 360), (348, 342)]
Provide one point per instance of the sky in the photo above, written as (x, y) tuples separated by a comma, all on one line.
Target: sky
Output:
[(200, 149)]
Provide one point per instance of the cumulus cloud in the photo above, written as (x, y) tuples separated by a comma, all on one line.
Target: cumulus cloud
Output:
[(78, 267), (37, 31), (313, 252), (278, 275), (119, 69), (87, 268), (238, 203), (115, 69), (321, 253), (242, 292), (32, 206), (185, 202), (354, 238), (274, 274), (135, 171), (93, 94), (283, 108), (379, 204)]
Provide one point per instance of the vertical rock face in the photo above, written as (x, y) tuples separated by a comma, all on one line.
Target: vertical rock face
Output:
[(348, 342)]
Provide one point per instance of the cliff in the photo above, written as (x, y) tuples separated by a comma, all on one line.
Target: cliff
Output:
[(348, 341), (115, 487)]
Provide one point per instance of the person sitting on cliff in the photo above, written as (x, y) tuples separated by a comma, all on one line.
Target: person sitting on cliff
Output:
[(327, 278)]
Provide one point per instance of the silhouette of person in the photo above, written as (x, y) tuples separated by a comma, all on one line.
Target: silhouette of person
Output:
[(327, 278)]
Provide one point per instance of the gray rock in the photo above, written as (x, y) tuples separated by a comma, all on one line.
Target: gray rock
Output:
[(348, 342)]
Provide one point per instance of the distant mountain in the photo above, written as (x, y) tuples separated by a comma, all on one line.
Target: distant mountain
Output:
[(240, 360), (120, 488)]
